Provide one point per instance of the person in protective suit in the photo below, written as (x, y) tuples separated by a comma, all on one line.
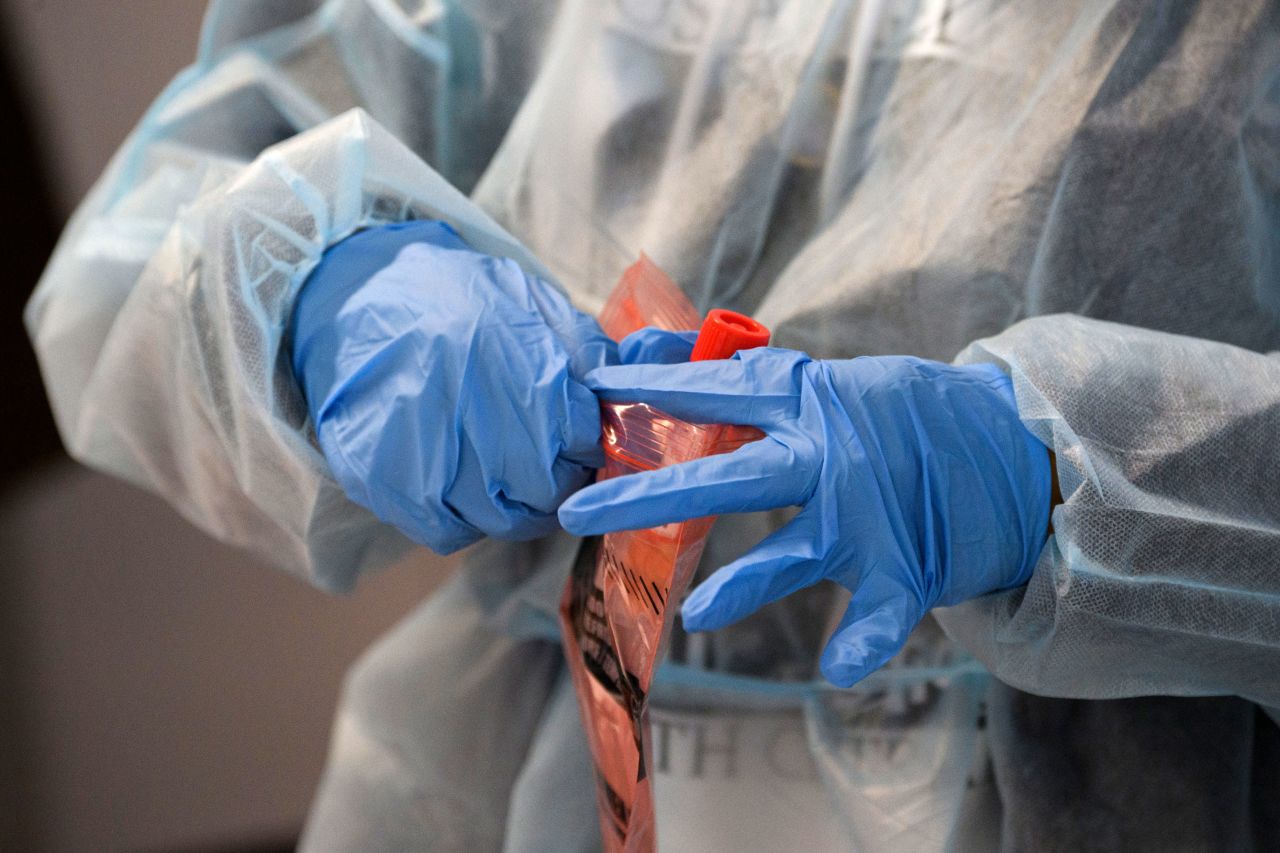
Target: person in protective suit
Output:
[(332, 298)]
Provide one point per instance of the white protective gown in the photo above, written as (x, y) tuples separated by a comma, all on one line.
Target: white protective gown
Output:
[(1084, 193)]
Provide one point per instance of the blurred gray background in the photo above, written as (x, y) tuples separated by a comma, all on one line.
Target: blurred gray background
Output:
[(160, 692)]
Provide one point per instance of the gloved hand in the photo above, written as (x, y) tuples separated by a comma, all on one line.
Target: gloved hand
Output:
[(919, 485), (444, 385)]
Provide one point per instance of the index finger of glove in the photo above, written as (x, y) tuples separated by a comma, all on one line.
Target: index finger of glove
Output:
[(750, 389)]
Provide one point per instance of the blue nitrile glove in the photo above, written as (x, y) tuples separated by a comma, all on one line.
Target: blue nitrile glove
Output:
[(656, 346), (444, 385), (919, 485)]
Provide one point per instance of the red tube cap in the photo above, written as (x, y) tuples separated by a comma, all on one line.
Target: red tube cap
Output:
[(725, 332)]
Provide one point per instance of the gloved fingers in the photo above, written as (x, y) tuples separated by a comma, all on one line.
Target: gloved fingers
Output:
[(408, 495), (570, 476), (656, 346), (788, 560), (523, 525), (491, 504), (880, 617), (762, 475), (591, 351), (531, 456), (580, 429), (757, 388)]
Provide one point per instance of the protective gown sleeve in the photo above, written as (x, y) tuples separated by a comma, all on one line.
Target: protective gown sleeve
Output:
[(159, 321), (167, 367), (1162, 574)]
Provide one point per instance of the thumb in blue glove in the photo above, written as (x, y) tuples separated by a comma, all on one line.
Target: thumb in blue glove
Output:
[(651, 345), (445, 385), (918, 483)]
